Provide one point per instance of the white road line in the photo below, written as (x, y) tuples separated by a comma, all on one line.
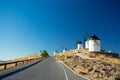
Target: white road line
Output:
[(60, 62), (64, 71), (74, 71)]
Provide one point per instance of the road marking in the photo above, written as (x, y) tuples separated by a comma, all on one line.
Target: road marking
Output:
[(74, 71), (61, 62), (64, 71)]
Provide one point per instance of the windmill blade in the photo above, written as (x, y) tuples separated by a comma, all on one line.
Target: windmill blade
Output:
[(85, 39), (86, 33), (64, 48), (56, 50)]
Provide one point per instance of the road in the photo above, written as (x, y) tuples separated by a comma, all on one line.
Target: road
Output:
[(47, 69)]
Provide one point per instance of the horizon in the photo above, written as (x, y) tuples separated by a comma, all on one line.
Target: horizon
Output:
[(27, 27)]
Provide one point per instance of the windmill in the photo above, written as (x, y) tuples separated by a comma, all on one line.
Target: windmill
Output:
[(94, 42), (55, 52), (87, 35), (64, 50), (79, 45), (95, 38)]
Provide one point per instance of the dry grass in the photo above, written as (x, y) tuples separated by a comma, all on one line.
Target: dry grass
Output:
[(28, 57), (100, 57), (1, 67), (8, 66), (22, 58), (104, 58), (97, 56), (67, 53)]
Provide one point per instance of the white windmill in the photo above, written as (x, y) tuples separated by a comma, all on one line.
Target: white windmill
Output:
[(86, 42), (93, 44), (79, 45), (55, 52), (64, 50)]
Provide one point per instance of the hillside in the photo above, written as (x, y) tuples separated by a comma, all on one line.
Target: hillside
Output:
[(22, 58), (92, 65), (28, 57)]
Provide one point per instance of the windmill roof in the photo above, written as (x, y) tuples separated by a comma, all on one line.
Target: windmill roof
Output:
[(79, 42), (65, 49), (94, 37)]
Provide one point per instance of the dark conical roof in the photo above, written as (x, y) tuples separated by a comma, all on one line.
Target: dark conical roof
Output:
[(79, 42), (94, 37), (65, 49)]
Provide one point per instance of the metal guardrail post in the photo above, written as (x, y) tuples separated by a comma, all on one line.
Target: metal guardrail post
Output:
[(23, 62), (16, 64), (5, 66), (26, 61)]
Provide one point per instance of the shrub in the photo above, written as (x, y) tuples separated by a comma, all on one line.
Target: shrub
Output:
[(44, 54)]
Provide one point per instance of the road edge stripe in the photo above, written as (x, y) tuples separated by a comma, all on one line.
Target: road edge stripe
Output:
[(72, 70), (64, 72)]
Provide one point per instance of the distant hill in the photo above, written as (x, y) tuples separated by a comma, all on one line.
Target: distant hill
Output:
[(1, 61)]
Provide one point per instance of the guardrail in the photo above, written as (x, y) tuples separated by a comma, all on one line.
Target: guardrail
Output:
[(16, 62)]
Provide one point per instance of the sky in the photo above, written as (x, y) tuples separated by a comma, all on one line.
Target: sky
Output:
[(29, 26)]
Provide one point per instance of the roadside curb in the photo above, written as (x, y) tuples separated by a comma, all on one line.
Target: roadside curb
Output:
[(72, 70)]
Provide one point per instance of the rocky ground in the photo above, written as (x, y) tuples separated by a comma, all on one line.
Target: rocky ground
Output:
[(95, 66), (92, 68)]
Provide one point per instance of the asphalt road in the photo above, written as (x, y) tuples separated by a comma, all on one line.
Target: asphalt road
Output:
[(47, 69)]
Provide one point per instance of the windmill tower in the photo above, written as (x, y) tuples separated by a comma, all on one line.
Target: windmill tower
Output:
[(87, 44), (94, 44), (79, 45), (64, 50), (55, 52)]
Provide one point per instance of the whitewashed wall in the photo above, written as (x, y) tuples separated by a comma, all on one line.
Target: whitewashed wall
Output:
[(79, 46), (94, 45), (87, 44)]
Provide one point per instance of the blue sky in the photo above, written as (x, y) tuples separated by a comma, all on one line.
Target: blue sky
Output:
[(28, 26)]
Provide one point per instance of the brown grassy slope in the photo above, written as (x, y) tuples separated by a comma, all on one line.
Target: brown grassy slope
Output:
[(87, 54), (64, 54), (95, 65), (22, 58), (28, 57)]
